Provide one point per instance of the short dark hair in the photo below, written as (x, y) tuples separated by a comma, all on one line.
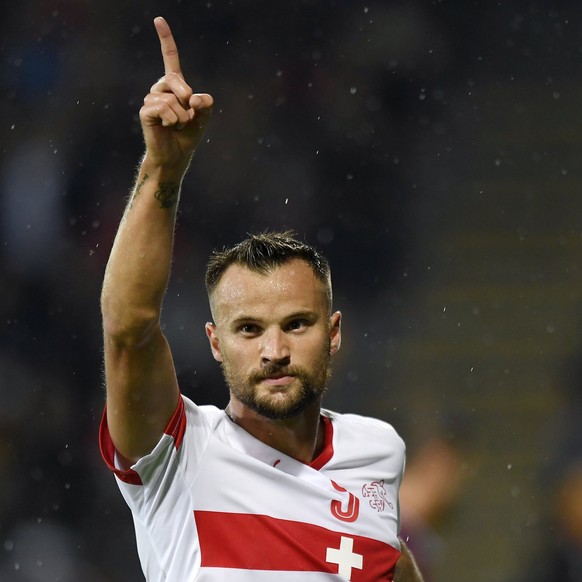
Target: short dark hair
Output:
[(263, 252)]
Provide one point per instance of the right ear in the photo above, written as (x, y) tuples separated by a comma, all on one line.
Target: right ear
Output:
[(213, 339)]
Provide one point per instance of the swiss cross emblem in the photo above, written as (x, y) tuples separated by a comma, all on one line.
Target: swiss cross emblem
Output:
[(345, 558), (376, 495)]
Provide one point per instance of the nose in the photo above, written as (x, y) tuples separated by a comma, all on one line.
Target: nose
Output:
[(275, 347)]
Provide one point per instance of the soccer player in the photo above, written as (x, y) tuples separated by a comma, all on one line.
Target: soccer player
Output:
[(274, 487)]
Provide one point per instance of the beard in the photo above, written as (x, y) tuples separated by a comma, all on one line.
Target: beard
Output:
[(307, 387)]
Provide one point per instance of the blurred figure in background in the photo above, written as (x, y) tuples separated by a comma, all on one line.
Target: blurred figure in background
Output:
[(559, 558), (432, 484)]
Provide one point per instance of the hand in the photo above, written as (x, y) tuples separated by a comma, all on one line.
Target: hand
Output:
[(173, 117), (406, 567)]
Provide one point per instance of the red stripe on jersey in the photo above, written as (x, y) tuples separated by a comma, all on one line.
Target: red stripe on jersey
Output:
[(177, 425), (108, 453), (260, 542), (176, 429), (327, 450)]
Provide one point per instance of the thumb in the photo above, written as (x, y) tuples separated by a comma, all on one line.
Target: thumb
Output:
[(199, 101), (201, 104)]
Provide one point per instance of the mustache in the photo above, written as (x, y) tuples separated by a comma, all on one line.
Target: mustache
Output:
[(273, 370)]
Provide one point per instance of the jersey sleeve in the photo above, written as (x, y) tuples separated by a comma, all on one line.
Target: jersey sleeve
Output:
[(189, 428)]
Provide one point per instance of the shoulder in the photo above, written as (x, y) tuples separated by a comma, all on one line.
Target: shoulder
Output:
[(191, 418), (183, 443), (205, 414), (200, 422), (362, 423), (365, 430)]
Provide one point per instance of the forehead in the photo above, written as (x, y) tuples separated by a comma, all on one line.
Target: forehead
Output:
[(290, 286)]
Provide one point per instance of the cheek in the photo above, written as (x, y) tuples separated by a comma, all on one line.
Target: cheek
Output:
[(239, 356), (313, 351)]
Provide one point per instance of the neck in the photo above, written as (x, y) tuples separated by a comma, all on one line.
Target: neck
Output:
[(299, 437)]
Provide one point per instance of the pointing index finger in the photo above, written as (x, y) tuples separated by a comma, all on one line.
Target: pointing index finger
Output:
[(168, 45)]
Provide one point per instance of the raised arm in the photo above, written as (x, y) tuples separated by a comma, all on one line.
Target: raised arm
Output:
[(142, 390)]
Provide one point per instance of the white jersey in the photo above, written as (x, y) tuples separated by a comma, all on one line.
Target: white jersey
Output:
[(212, 503)]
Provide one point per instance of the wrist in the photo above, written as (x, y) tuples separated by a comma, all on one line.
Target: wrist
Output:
[(164, 171)]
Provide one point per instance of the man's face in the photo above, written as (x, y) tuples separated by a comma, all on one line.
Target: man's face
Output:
[(274, 338)]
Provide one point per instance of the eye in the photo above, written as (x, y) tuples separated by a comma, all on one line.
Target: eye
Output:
[(249, 329), (297, 325)]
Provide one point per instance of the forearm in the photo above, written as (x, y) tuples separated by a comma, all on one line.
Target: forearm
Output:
[(138, 269), (406, 568)]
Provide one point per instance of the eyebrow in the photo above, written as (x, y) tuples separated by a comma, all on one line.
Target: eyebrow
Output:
[(306, 314)]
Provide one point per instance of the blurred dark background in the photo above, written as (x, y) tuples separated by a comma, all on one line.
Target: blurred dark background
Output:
[(430, 149)]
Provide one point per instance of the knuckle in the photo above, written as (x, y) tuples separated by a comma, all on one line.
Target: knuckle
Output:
[(163, 108), (157, 85)]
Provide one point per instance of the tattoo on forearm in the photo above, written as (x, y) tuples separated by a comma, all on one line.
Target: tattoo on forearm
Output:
[(167, 195), (137, 190)]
